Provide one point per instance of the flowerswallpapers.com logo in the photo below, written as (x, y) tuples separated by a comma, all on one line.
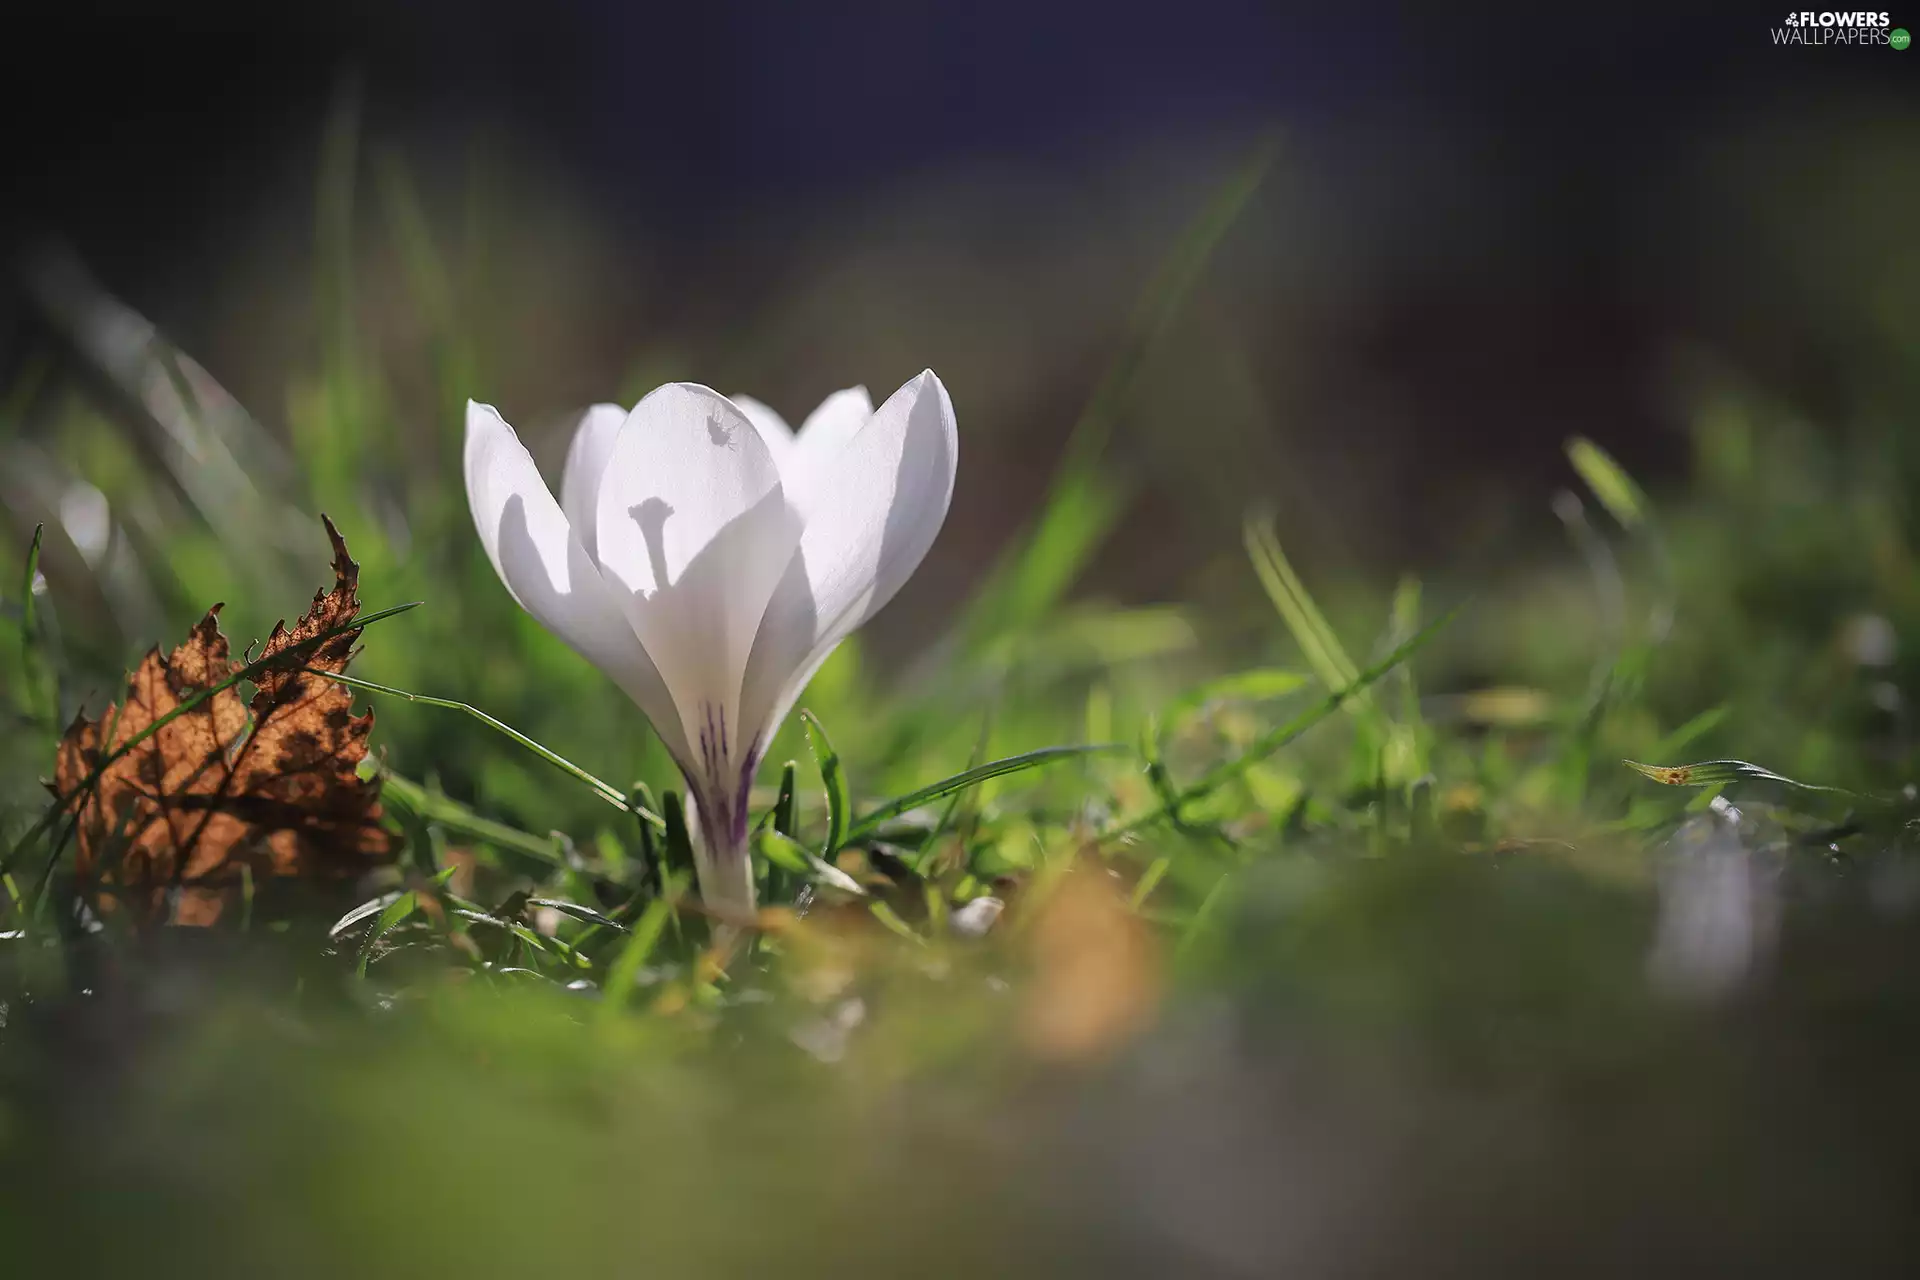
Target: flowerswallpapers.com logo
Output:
[(1856, 27)]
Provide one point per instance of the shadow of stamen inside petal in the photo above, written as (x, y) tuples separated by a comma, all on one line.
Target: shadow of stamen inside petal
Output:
[(699, 624), (573, 602), (651, 516)]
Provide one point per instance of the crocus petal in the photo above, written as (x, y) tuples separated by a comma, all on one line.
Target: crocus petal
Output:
[(587, 460), (895, 479), (694, 530), (773, 429), (824, 433), (890, 487), (822, 436), (548, 571), (839, 416)]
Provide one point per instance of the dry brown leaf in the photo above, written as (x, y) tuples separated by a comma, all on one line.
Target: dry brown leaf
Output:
[(1096, 970), (270, 787)]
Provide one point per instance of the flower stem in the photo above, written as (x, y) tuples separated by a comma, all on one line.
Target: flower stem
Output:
[(721, 858)]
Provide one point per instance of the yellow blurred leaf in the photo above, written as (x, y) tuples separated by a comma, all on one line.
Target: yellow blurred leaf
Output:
[(1096, 976)]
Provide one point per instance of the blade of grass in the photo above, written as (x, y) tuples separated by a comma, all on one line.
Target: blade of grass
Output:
[(430, 284), (783, 820), (641, 800), (782, 850), (1317, 641), (361, 912), (586, 915), (28, 631), (1714, 773), (1627, 503), (626, 966), (791, 855), (1698, 727), (890, 918), (676, 851), (606, 791), (390, 918), (1609, 481), (930, 847), (1149, 881), (1257, 684), (1202, 915), (1611, 593), (868, 823), (833, 778), (1280, 736), (1158, 776), (1080, 507), (335, 198), (1406, 621), (450, 813), (786, 810)]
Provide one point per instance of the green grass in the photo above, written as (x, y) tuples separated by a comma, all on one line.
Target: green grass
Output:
[(1428, 904)]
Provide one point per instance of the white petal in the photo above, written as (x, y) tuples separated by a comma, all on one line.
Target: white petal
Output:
[(586, 462), (822, 436), (695, 531), (788, 693), (839, 416), (773, 429), (549, 573), (803, 455), (894, 480), (890, 488)]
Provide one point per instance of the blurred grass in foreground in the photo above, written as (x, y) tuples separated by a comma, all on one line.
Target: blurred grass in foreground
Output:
[(1327, 967)]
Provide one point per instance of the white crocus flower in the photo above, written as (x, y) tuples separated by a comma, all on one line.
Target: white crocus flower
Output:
[(708, 559)]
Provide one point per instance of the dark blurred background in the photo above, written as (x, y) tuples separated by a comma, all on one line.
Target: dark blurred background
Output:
[(1482, 233)]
